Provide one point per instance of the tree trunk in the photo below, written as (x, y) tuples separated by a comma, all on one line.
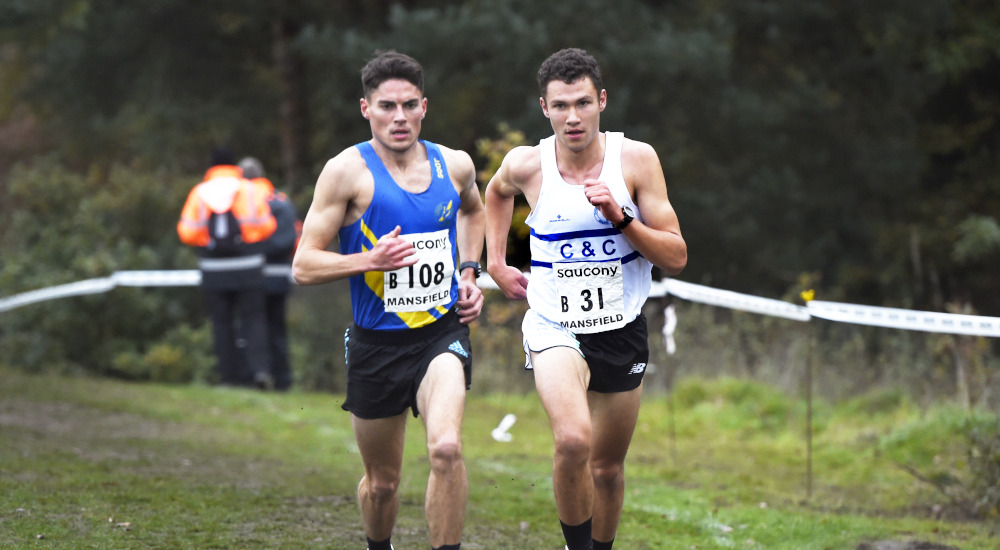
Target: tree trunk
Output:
[(293, 127)]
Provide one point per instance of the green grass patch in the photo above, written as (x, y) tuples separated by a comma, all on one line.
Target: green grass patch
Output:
[(88, 463)]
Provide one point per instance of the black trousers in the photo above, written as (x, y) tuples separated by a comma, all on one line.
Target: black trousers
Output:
[(277, 337), (239, 318)]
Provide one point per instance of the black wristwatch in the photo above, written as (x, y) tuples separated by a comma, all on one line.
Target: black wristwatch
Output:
[(628, 214), (473, 265)]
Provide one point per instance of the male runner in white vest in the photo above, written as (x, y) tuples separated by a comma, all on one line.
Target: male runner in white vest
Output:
[(600, 219)]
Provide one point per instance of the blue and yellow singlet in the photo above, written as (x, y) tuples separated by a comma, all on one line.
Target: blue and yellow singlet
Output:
[(417, 295)]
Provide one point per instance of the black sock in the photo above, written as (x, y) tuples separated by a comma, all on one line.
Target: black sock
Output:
[(382, 545), (578, 536), (449, 547), (603, 545)]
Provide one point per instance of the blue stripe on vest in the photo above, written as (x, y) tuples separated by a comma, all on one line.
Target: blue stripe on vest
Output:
[(625, 259), (575, 234)]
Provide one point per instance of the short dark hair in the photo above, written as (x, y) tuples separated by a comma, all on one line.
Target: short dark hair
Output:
[(569, 65), (387, 65)]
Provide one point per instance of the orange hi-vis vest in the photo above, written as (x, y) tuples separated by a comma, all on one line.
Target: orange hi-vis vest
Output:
[(224, 189), (278, 196)]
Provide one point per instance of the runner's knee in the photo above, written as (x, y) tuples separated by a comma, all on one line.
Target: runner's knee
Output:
[(572, 446), (380, 488), (608, 475), (445, 453)]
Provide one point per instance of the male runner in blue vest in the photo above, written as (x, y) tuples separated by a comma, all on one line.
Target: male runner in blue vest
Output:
[(407, 213), (600, 219)]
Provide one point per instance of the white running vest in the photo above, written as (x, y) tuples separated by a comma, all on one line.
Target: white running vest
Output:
[(585, 274)]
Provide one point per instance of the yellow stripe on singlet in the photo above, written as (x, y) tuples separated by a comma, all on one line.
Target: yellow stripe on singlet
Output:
[(376, 281)]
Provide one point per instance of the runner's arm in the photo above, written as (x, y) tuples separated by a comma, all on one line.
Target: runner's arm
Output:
[(500, 193), (470, 221), (658, 236), (336, 188)]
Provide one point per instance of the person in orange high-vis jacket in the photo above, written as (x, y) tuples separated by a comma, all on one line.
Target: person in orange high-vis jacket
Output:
[(280, 247), (232, 277), (225, 188)]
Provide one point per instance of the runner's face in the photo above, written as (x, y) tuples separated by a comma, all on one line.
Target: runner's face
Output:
[(395, 110), (574, 110)]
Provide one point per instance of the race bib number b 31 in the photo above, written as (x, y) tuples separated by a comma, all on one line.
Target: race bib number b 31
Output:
[(425, 284), (591, 296)]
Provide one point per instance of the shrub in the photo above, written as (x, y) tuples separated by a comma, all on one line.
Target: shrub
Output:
[(984, 466), (57, 227)]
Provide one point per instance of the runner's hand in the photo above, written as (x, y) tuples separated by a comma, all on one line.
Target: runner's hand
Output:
[(470, 302), (511, 281), (599, 195), (391, 252)]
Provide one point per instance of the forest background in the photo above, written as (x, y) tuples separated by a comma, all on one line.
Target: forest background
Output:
[(845, 146)]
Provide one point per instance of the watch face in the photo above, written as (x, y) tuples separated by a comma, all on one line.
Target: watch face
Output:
[(628, 211)]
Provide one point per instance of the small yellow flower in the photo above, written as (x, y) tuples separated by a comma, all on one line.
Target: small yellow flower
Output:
[(808, 295)]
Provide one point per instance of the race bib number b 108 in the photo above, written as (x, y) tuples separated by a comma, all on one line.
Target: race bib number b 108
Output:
[(427, 283)]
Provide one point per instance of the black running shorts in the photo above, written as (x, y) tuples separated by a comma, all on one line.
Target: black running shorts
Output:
[(617, 358), (385, 367)]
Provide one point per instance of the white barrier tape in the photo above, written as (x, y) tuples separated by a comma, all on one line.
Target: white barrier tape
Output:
[(656, 290), (486, 282), (180, 277), (189, 277), (79, 288), (732, 300), (927, 321), (947, 323)]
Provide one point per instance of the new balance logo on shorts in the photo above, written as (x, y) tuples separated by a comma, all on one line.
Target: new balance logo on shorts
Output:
[(457, 348), (637, 368)]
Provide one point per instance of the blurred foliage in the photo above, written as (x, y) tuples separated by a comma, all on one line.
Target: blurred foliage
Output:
[(984, 465), (493, 151), (61, 226), (971, 481), (843, 146), (183, 355)]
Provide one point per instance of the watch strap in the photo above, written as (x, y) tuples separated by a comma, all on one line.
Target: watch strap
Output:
[(474, 265), (627, 219)]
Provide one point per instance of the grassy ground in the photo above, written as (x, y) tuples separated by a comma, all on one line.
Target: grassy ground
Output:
[(103, 464)]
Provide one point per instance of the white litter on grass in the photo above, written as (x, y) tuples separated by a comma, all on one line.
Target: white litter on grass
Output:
[(500, 433)]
